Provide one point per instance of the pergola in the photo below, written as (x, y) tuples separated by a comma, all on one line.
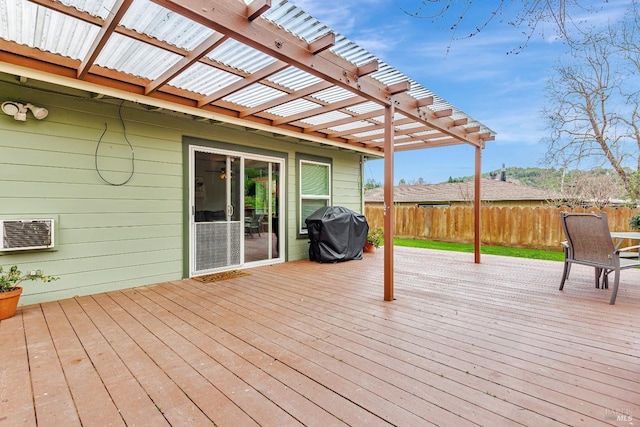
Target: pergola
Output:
[(271, 68)]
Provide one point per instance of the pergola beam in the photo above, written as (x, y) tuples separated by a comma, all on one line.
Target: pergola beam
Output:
[(368, 68), (256, 8), (117, 12), (399, 87), (192, 57), (443, 113), (322, 43), (425, 102)]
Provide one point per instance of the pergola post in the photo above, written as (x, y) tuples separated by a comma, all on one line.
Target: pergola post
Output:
[(388, 201), (477, 206)]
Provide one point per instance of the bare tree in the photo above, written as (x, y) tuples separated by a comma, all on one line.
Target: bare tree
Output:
[(596, 190), (463, 20), (593, 105)]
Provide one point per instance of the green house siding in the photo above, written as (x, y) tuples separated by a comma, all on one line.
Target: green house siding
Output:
[(112, 237)]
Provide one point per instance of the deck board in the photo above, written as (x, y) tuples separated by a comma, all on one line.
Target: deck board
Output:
[(134, 405), (303, 343)]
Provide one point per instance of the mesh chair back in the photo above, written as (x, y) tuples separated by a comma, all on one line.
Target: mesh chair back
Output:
[(589, 237)]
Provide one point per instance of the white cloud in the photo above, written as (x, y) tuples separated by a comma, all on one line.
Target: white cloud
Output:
[(339, 15)]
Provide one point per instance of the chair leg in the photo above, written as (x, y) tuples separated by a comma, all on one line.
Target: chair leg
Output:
[(565, 274), (614, 291), (567, 265), (598, 274)]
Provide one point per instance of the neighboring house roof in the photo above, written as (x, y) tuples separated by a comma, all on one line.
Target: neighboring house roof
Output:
[(259, 65), (491, 190)]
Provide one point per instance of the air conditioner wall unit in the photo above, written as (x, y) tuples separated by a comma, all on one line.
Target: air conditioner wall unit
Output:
[(26, 234)]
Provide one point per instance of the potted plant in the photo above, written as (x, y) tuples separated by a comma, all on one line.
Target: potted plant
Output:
[(374, 239), (634, 222), (10, 291)]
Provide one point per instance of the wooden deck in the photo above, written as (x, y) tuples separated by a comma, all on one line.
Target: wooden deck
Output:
[(303, 343)]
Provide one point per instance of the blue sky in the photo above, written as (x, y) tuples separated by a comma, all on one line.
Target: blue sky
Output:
[(503, 91)]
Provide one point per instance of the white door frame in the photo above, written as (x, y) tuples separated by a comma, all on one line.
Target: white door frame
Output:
[(192, 215)]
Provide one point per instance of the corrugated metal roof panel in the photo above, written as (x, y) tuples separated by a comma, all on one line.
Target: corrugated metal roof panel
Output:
[(293, 107), (426, 133), (351, 51), (351, 125), (325, 118), (253, 95), (100, 8), (333, 94), (294, 79), (296, 21), (366, 134), (410, 126), (240, 56), (41, 28), (365, 107), (200, 78), (149, 18), (136, 58)]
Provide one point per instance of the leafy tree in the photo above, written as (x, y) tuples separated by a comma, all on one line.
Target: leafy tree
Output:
[(372, 183)]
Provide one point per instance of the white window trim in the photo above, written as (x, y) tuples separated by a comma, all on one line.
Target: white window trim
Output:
[(301, 230)]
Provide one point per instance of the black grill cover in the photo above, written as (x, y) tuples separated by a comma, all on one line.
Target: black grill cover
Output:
[(337, 234)]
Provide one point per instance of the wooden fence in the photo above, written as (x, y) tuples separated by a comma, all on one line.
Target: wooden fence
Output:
[(525, 227)]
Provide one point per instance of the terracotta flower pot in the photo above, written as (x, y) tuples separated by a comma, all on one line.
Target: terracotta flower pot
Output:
[(9, 302), (368, 247)]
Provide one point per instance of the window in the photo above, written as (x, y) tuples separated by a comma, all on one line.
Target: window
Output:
[(315, 189)]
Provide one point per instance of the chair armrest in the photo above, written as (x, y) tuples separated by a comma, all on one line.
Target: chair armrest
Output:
[(628, 248)]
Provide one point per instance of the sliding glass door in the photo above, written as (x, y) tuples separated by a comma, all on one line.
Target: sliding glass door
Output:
[(235, 204)]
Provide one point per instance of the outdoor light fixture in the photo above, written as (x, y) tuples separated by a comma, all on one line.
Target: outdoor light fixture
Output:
[(19, 111)]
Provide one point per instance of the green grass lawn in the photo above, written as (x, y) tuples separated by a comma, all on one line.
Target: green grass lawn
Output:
[(491, 250)]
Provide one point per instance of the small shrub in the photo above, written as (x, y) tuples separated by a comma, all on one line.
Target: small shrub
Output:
[(634, 222), (374, 237)]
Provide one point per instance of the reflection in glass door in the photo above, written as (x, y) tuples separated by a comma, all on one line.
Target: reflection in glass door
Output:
[(261, 209), (217, 228), (235, 206)]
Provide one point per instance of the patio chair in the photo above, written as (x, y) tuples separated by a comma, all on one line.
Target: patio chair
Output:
[(253, 224), (589, 243)]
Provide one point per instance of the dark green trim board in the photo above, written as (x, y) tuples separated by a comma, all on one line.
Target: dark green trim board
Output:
[(188, 141)]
